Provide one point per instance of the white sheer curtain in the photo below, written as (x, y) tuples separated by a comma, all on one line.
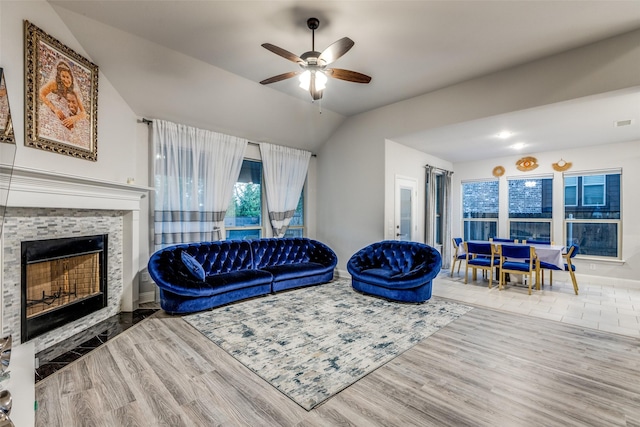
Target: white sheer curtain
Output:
[(431, 211), (194, 171), (285, 170)]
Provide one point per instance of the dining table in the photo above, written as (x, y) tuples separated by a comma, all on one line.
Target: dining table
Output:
[(548, 253)]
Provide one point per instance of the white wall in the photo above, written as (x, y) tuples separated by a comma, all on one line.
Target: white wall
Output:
[(403, 161), (116, 121), (353, 178)]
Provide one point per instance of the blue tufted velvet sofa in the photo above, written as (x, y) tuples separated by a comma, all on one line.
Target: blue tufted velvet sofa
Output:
[(396, 270), (237, 269)]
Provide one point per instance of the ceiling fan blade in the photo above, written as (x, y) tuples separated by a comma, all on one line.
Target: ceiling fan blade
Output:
[(336, 50), (348, 75), (284, 53), (280, 77)]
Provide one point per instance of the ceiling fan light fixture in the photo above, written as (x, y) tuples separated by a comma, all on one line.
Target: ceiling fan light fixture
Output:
[(319, 76), (321, 80), (313, 63), (305, 80)]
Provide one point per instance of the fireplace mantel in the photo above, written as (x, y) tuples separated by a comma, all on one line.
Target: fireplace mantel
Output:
[(40, 189), (36, 188)]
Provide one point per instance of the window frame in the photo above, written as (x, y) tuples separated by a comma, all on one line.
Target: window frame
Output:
[(488, 221), (260, 227), (264, 228), (604, 190), (511, 220), (574, 186), (568, 221), (301, 206)]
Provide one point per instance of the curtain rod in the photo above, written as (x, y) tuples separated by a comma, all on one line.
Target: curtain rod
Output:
[(148, 122), (258, 144), (436, 168)]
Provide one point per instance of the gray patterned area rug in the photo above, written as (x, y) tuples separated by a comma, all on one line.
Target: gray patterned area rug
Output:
[(313, 342)]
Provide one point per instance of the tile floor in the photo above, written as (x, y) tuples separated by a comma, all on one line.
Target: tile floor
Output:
[(605, 307)]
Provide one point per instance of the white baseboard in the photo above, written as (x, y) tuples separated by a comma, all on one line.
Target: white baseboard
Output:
[(341, 274)]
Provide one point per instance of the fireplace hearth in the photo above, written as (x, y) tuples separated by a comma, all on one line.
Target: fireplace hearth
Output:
[(63, 280)]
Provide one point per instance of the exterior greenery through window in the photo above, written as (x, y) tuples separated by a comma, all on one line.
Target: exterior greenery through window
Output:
[(592, 213), (296, 226), (480, 209), (530, 208), (243, 219), (244, 214)]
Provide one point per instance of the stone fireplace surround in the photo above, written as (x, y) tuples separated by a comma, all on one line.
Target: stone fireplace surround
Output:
[(45, 205)]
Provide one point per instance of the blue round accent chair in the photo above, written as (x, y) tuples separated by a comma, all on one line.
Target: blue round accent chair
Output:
[(395, 270)]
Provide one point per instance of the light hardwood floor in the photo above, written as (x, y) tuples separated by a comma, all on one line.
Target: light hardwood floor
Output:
[(488, 368)]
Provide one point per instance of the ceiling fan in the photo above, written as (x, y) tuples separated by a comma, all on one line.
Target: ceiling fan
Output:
[(313, 64)]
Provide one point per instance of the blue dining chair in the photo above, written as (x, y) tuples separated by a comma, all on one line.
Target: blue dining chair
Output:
[(568, 266), (501, 240), (483, 256), (517, 259), (457, 256), (537, 242)]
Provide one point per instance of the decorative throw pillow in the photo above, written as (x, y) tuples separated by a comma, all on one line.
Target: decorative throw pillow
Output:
[(194, 267)]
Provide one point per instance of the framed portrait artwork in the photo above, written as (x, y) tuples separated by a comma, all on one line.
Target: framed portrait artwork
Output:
[(6, 125), (61, 97)]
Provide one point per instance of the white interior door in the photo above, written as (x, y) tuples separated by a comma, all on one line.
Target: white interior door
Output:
[(405, 209)]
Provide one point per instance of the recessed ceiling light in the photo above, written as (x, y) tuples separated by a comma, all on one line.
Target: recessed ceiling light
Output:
[(504, 134), (518, 145)]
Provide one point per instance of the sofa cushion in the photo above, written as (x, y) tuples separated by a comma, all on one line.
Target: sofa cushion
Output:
[(380, 272), (289, 271), (193, 266), (185, 284), (224, 282), (270, 252)]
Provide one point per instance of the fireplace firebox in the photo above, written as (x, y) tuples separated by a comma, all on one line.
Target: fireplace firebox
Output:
[(62, 280)]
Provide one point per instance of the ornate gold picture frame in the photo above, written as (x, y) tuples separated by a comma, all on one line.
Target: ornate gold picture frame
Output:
[(61, 97), (6, 125)]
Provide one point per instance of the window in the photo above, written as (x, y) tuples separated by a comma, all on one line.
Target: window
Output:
[(593, 221), (571, 191), (243, 219), (244, 214), (593, 190), (530, 208), (480, 209), (296, 226)]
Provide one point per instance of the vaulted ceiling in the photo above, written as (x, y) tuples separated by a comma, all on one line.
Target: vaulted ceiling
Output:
[(408, 48)]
